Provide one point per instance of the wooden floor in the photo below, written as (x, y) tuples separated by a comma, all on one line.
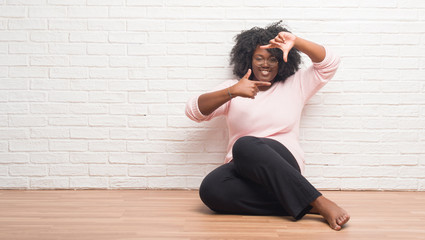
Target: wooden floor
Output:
[(179, 214)]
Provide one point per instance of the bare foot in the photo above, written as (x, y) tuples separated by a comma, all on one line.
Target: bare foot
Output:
[(334, 215)]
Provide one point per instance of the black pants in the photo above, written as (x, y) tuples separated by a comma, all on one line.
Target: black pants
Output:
[(262, 179)]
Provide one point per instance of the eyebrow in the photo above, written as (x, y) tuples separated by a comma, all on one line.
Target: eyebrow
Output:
[(260, 55)]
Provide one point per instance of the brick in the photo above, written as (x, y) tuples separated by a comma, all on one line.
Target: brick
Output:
[(164, 182), (13, 133), (107, 146), (11, 36), (89, 133), (85, 158), (146, 25), (68, 121), (106, 97), (17, 84), (148, 73), (67, 2), (145, 3), (28, 72), (48, 108), (107, 170), (49, 158), (108, 73), (49, 61), (47, 12), (145, 147), (27, 121), (128, 134), (49, 183), (170, 135), (106, 25), (68, 170), (68, 96), (6, 60), (13, 182), (132, 85), (33, 48), (27, 24), (184, 170), (12, 12), (49, 133), (88, 108), (128, 183), (148, 97), (147, 121), (166, 109), (88, 183), (106, 49), (68, 145), (13, 158), (146, 49), (94, 85), (87, 12), (110, 121), (88, 37), (127, 158), (56, 24), (166, 158), (90, 61), (69, 72), (145, 171), (28, 170), (127, 12), (67, 48), (128, 109), (127, 37), (14, 108), (135, 62)]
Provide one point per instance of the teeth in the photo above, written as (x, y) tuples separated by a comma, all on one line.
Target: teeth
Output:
[(265, 72)]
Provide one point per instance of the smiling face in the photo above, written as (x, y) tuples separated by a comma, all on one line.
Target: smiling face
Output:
[(264, 65)]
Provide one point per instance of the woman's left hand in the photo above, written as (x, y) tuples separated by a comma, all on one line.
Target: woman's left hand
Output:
[(284, 41)]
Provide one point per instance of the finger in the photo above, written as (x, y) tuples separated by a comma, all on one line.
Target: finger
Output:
[(267, 46), (247, 74), (285, 56), (260, 84), (275, 42), (279, 39)]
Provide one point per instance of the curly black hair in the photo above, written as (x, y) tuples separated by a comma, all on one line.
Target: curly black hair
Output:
[(248, 40)]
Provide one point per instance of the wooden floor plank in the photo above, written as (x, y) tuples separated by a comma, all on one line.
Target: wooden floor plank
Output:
[(179, 214)]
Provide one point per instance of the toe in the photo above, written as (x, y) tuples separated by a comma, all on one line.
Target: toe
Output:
[(337, 228), (334, 225)]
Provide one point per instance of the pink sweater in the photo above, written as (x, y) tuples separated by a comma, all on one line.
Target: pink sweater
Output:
[(274, 113)]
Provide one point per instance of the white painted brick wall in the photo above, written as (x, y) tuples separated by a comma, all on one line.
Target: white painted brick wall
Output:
[(92, 92)]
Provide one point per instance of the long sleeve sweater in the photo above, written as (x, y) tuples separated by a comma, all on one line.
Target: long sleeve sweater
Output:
[(274, 113)]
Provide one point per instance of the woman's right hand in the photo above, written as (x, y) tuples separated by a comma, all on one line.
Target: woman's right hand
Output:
[(247, 88)]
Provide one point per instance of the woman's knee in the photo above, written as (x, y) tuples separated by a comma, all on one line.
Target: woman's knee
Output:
[(243, 145), (211, 195)]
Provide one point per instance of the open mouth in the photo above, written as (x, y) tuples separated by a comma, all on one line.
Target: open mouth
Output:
[(265, 71)]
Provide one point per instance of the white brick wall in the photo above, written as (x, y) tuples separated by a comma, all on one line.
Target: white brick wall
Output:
[(92, 92)]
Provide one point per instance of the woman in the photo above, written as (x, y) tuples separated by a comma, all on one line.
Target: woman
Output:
[(264, 162)]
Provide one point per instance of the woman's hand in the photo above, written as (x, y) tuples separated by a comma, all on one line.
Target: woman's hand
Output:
[(284, 41), (247, 88)]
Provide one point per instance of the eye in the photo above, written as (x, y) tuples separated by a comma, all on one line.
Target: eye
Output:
[(273, 60)]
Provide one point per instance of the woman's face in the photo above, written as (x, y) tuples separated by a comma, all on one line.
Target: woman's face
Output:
[(264, 65)]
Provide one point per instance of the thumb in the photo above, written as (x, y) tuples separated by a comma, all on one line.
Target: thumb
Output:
[(247, 74), (285, 56)]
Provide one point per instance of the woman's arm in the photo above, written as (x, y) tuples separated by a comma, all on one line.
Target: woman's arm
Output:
[(285, 41), (209, 102)]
